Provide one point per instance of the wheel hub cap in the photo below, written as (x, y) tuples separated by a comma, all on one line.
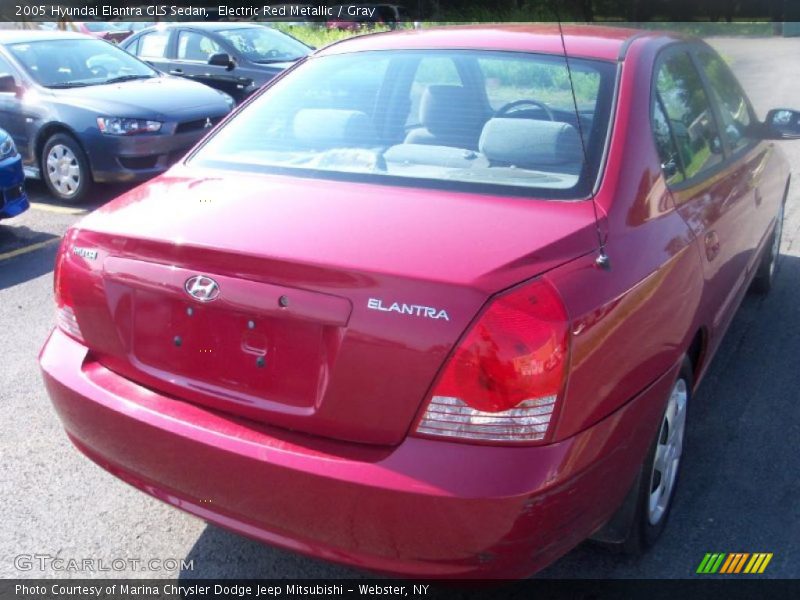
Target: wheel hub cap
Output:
[(63, 170), (668, 452)]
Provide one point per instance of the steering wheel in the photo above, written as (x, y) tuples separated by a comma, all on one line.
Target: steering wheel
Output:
[(512, 106), (273, 53)]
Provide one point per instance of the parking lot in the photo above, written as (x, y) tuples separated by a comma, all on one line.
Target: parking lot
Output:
[(739, 489)]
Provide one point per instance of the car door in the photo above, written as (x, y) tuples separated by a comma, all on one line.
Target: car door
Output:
[(193, 49), (153, 47), (750, 156), (706, 182)]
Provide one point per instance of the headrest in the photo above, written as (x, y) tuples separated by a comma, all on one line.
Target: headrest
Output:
[(530, 142), (434, 156), (330, 127), (446, 109)]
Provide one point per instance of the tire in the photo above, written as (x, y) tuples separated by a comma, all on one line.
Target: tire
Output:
[(765, 276), (65, 168), (641, 519)]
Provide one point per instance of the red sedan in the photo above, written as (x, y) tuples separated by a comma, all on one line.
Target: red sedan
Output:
[(433, 303), (105, 30)]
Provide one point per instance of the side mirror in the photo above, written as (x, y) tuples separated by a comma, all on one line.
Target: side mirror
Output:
[(670, 168), (782, 124), (8, 85), (221, 59)]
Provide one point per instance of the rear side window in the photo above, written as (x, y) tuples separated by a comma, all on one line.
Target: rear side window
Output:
[(196, 47), (455, 119), (680, 92), (153, 45), (733, 106)]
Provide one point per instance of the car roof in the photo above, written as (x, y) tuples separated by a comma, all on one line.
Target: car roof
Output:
[(13, 36), (588, 41)]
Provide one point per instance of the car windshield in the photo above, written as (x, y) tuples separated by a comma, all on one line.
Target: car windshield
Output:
[(78, 62), (454, 119), (263, 44)]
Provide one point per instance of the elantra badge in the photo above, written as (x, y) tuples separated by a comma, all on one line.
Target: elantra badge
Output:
[(87, 253), (202, 288), (408, 309)]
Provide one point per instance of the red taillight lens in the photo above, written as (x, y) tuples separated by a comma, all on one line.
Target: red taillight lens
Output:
[(65, 316), (505, 377)]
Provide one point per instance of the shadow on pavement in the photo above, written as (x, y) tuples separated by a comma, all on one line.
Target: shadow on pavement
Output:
[(220, 554), (24, 267)]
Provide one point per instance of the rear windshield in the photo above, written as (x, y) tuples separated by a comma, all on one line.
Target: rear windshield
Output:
[(465, 120)]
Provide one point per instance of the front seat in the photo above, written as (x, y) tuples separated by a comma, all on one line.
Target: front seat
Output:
[(450, 116)]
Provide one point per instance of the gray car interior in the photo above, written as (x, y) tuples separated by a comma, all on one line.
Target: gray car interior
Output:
[(500, 143)]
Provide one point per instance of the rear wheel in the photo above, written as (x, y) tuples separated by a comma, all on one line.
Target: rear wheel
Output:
[(643, 516), (765, 276), (65, 169)]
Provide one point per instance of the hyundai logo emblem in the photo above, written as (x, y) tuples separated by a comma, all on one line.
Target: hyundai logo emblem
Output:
[(202, 288)]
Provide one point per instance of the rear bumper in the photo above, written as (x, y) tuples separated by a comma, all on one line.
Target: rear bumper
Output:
[(422, 509)]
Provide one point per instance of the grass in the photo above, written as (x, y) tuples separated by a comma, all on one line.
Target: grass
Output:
[(317, 35), (704, 29)]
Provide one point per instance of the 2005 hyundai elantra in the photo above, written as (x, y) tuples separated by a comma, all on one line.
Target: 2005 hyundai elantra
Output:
[(434, 302)]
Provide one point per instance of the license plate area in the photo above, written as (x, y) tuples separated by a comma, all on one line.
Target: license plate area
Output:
[(279, 360)]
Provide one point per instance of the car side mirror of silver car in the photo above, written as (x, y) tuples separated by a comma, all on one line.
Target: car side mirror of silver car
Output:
[(782, 124)]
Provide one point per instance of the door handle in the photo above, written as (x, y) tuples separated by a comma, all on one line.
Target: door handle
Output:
[(712, 245), (176, 72)]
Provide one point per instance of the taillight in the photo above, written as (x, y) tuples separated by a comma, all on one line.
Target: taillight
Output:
[(504, 380), (65, 316)]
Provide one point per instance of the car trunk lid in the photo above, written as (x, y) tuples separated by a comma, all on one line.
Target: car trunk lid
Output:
[(335, 306)]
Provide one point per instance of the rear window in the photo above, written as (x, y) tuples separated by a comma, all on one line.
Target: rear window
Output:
[(465, 120)]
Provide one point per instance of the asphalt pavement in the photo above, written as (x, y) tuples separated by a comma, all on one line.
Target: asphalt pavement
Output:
[(739, 492)]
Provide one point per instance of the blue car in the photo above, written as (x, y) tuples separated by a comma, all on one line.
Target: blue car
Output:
[(13, 199), (82, 111)]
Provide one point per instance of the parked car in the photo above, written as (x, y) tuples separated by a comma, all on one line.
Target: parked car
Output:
[(111, 31), (440, 313), (81, 111), (13, 200), (236, 58), (134, 26)]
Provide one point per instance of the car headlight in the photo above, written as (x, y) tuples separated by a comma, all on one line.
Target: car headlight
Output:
[(7, 147), (123, 126)]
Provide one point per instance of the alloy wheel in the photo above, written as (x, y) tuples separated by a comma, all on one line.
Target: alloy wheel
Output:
[(668, 453)]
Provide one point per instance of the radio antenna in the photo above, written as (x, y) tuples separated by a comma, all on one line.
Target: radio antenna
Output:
[(602, 259)]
